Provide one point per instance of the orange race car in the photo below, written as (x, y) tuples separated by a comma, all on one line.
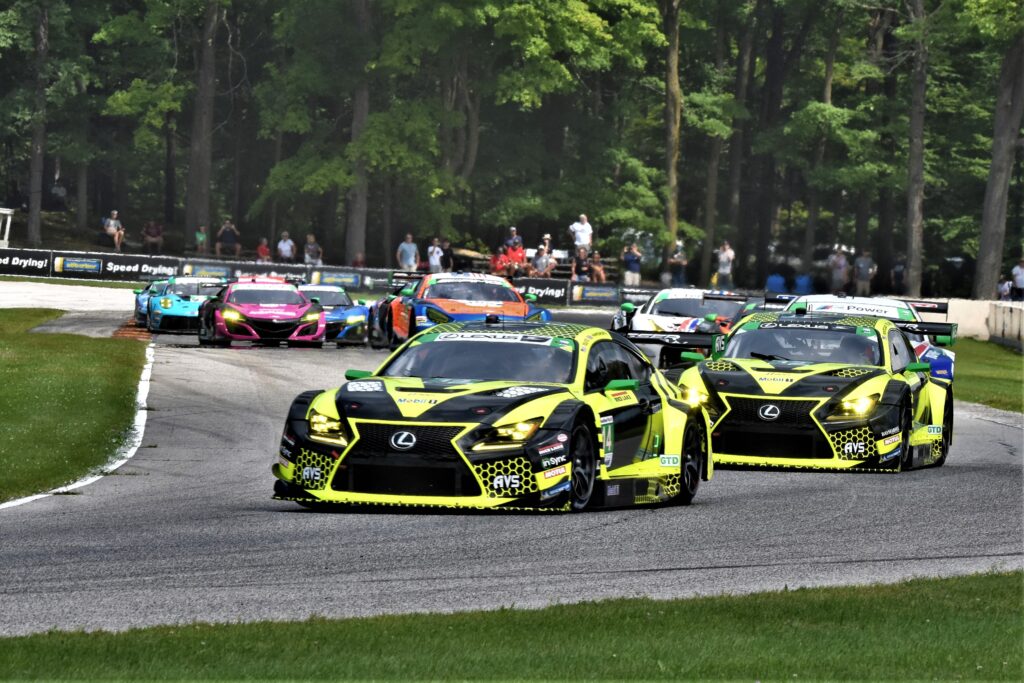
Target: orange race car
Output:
[(437, 298)]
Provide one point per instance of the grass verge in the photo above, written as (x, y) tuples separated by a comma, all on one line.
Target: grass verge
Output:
[(66, 401), (968, 627), (989, 373), (110, 284)]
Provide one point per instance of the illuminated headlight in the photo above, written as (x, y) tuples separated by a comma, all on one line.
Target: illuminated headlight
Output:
[(694, 397), (536, 317), (326, 429), (231, 315), (855, 407), (436, 316), (166, 303), (509, 436), (354, 319), (311, 317)]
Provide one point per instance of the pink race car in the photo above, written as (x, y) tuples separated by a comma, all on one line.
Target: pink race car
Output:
[(262, 310)]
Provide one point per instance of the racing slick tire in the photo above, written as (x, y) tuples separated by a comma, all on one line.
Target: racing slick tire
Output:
[(947, 430), (583, 456), (692, 459), (906, 460), (149, 324)]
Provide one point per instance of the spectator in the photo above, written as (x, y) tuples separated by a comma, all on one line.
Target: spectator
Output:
[(359, 261), (542, 265), (286, 248), (1004, 288), (447, 256), (631, 260), (804, 284), (596, 267), (435, 254), (581, 266), (202, 244), (776, 283), (113, 228), (153, 237), (500, 263), (263, 251), (314, 253), (545, 242), (897, 275), (408, 254), (517, 256), (227, 237), (677, 266), (839, 268), (512, 236), (726, 256), (582, 233), (864, 269), (1017, 289)]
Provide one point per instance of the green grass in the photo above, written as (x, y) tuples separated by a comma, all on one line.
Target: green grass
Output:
[(66, 401), (989, 373), (73, 281), (968, 627)]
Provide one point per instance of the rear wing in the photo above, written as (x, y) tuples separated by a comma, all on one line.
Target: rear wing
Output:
[(930, 329), (928, 306), (715, 296), (404, 277), (677, 343)]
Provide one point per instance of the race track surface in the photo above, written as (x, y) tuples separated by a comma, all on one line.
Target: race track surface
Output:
[(186, 531)]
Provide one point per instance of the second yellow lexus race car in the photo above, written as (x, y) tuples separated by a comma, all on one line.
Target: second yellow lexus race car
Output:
[(823, 391), (497, 415)]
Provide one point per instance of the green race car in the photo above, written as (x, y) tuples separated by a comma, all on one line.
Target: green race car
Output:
[(491, 415), (823, 391)]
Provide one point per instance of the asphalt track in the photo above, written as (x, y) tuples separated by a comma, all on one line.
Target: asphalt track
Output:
[(186, 531)]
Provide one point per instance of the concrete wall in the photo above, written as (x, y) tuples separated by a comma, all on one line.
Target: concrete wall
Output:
[(1006, 323), (1002, 321)]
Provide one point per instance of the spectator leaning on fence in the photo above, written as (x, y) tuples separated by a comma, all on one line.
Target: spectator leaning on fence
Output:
[(631, 260)]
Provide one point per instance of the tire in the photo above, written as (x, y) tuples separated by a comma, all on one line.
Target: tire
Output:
[(149, 324), (583, 456), (947, 430), (906, 428), (692, 459)]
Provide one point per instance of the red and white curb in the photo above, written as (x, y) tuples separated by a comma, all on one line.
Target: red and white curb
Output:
[(124, 453)]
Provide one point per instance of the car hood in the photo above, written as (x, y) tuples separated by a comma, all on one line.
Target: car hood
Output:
[(385, 398), (666, 323), (335, 313), (482, 308), (757, 377), (271, 311)]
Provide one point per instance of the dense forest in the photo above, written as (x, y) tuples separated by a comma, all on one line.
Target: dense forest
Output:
[(785, 126)]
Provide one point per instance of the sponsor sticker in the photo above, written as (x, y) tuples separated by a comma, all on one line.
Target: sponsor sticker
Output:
[(494, 337), (311, 474), (562, 437), (934, 429), (554, 460), (669, 461), (556, 472), (612, 490), (854, 448), (892, 439), (553, 448), (505, 481), (891, 431), (554, 490)]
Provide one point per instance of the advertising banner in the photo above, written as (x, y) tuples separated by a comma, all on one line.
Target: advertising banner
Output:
[(546, 290), (594, 295), (103, 266), (25, 262), (243, 268), (341, 278)]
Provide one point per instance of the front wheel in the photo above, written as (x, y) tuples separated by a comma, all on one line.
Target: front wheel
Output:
[(906, 429), (584, 466), (693, 459), (947, 430)]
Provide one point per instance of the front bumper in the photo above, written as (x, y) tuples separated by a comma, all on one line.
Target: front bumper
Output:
[(175, 322), (251, 329), (343, 332), (438, 472)]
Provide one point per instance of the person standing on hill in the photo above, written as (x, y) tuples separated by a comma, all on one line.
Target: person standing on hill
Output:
[(408, 254), (582, 233), (726, 256)]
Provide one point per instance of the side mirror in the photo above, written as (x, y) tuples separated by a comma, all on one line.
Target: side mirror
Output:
[(530, 297), (622, 385), (407, 291), (357, 374), (361, 302), (943, 340), (711, 318), (628, 306), (691, 355), (918, 367), (137, 291)]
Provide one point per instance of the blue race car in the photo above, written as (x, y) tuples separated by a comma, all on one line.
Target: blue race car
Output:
[(346, 321), (176, 305), (142, 297)]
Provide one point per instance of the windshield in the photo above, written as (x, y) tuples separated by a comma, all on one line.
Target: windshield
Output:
[(329, 297), (696, 308), (470, 291), (267, 294), (194, 288), (806, 345), (543, 360)]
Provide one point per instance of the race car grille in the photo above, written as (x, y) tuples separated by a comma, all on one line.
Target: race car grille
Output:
[(268, 329), (179, 322), (854, 444), (312, 469), (793, 434), (507, 478), (792, 414), (721, 366), (849, 372), (432, 443)]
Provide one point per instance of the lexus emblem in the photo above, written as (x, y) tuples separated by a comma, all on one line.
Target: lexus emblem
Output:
[(769, 412), (403, 441)]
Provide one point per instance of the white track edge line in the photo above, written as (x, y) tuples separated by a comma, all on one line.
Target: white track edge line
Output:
[(124, 453)]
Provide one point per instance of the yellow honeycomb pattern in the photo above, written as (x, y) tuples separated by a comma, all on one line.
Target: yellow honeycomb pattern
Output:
[(312, 469), (860, 435), (487, 471), (936, 450), (720, 366), (850, 372)]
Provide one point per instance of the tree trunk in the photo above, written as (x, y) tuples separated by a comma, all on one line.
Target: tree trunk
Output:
[(885, 240), (673, 121), (82, 198), (197, 197), (272, 237), (915, 164), (1006, 132), (711, 189), (170, 182), (355, 234), (35, 188), (744, 65)]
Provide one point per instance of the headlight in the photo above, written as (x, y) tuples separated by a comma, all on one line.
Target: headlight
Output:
[(166, 303), (509, 436), (855, 407), (536, 317), (311, 317), (326, 429), (436, 316), (694, 397), (354, 319), (232, 315)]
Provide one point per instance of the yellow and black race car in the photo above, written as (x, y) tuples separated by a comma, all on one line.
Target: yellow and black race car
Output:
[(823, 391), (491, 415)]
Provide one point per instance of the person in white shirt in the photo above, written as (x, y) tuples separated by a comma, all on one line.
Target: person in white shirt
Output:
[(434, 254), (286, 248), (582, 233), (725, 258), (1017, 291)]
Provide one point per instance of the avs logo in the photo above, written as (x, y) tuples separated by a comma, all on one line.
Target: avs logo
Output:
[(311, 474), (506, 481), (403, 441), (854, 448), (769, 412)]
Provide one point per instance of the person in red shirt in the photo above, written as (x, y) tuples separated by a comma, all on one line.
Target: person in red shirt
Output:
[(500, 263), (263, 251), (517, 257)]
